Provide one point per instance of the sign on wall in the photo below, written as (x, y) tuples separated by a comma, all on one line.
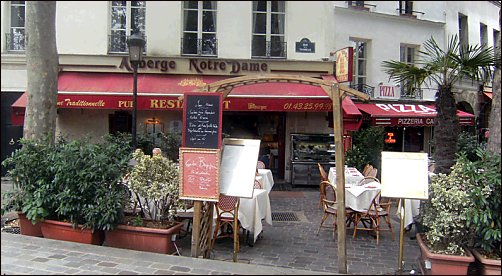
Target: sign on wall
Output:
[(305, 46), (238, 166), (405, 175), (202, 116), (199, 174), (343, 64)]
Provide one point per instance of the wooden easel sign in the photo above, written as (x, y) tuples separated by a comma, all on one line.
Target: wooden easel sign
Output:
[(199, 174)]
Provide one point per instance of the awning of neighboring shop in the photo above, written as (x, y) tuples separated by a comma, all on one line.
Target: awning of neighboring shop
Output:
[(162, 92), (407, 114)]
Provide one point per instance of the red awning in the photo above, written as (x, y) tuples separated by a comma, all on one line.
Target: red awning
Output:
[(161, 92), (407, 114)]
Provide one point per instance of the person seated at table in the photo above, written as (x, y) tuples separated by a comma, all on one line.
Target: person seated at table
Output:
[(264, 156)]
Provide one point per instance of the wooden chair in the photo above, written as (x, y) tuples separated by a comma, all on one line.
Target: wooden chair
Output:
[(260, 165), (324, 177), (227, 209), (372, 173), (328, 197), (367, 169), (367, 179), (373, 216)]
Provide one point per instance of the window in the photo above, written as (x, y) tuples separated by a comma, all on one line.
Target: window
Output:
[(406, 7), (16, 38), (268, 29), (462, 31), (408, 89), (359, 67), (356, 3), (127, 18), (120, 121), (496, 40), (199, 28), (483, 35)]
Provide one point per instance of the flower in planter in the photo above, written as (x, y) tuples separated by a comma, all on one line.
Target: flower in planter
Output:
[(154, 182)]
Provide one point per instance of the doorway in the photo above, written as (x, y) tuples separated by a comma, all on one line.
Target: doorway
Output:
[(269, 127)]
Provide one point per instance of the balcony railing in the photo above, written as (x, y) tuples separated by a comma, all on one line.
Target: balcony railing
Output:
[(199, 47), (117, 44), (16, 42), (359, 5), (271, 49), (409, 12), (414, 93), (367, 89)]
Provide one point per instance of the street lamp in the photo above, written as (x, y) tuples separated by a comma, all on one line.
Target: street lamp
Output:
[(136, 44)]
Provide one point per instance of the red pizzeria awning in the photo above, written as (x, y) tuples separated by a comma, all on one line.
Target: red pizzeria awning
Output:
[(161, 92), (407, 114)]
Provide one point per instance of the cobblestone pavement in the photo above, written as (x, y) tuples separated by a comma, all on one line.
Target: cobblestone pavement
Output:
[(286, 247)]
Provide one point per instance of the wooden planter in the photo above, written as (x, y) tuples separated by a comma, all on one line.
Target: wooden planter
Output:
[(28, 228), (64, 231), (143, 238), (486, 266), (442, 264)]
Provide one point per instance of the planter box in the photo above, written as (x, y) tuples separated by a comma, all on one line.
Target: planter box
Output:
[(28, 228), (486, 266), (143, 238), (64, 231), (442, 264)]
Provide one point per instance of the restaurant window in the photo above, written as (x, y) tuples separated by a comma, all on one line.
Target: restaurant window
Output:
[(199, 28), (127, 18), (16, 38), (483, 35), (462, 31), (408, 89), (120, 121), (268, 39), (359, 65)]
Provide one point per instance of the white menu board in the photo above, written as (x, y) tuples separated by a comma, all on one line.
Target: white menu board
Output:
[(405, 175), (238, 166)]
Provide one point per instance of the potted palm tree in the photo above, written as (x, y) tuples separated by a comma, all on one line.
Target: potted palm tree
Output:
[(154, 186), (444, 68)]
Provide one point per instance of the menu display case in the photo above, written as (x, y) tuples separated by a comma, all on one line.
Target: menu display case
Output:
[(306, 151)]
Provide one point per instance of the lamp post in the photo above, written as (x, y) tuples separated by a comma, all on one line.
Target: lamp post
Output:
[(136, 44)]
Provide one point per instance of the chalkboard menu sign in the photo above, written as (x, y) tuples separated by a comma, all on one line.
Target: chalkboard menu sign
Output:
[(202, 113), (199, 174)]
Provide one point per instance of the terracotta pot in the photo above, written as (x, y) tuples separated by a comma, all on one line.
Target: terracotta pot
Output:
[(486, 266), (64, 231), (143, 238), (442, 264), (28, 228)]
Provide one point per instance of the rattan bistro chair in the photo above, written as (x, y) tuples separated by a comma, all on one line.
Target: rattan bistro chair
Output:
[(227, 217), (324, 177), (371, 217), (328, 197)]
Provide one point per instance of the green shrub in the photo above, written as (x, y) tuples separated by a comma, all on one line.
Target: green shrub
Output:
[(367, 147), (467, 144)]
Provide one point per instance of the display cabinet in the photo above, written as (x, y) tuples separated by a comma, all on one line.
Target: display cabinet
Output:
[(306, 151)]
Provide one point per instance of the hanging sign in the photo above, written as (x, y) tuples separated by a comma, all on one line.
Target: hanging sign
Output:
[(343, 64)]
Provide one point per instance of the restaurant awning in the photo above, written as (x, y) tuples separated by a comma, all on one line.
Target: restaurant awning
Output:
[(161, 92), (407, 114)]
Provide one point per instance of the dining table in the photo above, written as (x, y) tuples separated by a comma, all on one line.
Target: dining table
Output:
[(266, 179), (357, 197), (411, 210)]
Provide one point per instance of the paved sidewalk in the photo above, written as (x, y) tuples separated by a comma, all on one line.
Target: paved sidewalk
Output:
[(31, 255)]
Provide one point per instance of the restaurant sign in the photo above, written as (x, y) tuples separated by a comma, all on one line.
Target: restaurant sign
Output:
[(343, 64)]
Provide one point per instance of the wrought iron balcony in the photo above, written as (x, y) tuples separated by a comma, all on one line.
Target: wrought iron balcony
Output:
[(199, 46), (414, 93), (16, 42), (117, 44), (271, 49), (367, 89)]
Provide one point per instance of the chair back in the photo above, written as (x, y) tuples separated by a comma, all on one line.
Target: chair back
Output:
[(375, 204), (373, 172), (328, 194), (324, 176), (367, 169), (227, 204), (260, 165), (257, 184)]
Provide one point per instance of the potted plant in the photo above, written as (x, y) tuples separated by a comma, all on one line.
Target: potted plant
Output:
[(28, 168), (154, 186), (484, 218), (444, 218)]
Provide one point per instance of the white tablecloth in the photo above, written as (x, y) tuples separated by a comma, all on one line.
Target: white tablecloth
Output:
[(411, 209), (266, 179), (352, 176)]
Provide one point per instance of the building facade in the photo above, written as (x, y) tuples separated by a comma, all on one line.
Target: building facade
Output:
[(193, 43)]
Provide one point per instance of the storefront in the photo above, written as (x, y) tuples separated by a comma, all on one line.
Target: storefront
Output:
[(408, 127), (94, 103)]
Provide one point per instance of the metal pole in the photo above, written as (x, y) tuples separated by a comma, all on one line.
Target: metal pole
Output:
[(134, 105), (401, 238), (340, 179)]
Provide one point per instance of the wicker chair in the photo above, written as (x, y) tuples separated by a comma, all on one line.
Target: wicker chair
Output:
[(257, 184), (328, 197), (376, 211), (324, 177), (227, 216)]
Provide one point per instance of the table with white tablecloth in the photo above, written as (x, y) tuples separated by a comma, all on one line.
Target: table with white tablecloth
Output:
[(253, 210), (266, 179), (411, 210), (352, 176)]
